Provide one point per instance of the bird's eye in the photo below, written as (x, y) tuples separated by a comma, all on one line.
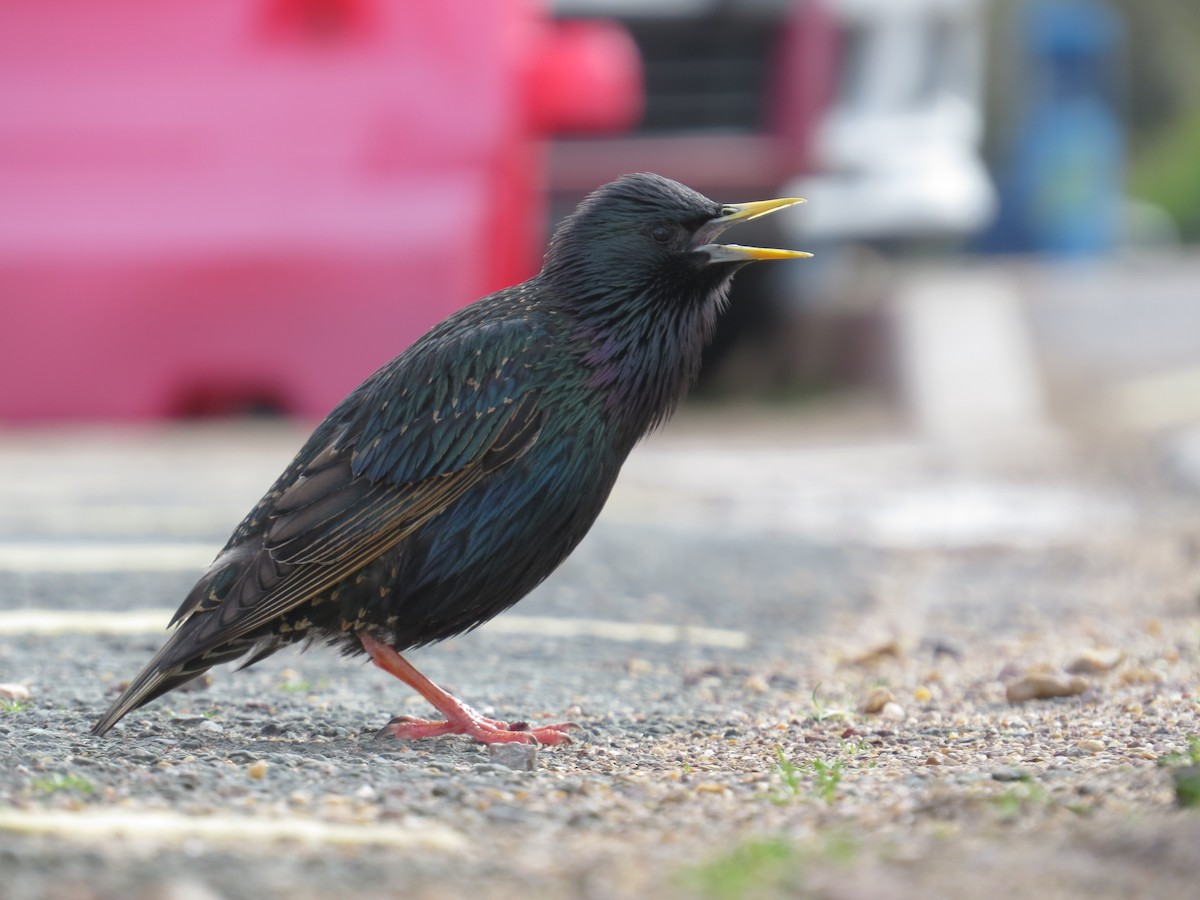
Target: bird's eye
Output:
[(662, 233)]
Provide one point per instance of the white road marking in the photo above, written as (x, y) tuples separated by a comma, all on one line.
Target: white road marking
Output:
[(58, 621), (154, 621), (618, 631), (160, 827), (104, 556)]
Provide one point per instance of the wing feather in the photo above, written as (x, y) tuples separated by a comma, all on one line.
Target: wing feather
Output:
[(372, 484)]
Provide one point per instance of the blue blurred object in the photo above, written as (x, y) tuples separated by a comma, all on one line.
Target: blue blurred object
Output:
[(1062, 191)]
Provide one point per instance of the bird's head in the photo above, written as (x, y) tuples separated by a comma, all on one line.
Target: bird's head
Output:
[(639, 266), (650, 235)]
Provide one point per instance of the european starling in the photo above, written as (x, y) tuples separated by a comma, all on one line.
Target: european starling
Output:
[(457, 477)]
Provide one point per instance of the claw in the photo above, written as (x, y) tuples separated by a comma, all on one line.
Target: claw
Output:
[(486, 731)]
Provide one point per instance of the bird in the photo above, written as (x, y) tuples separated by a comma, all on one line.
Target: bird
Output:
[(459, 475)]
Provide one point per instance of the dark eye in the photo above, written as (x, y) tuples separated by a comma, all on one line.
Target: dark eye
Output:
[(662, 233)]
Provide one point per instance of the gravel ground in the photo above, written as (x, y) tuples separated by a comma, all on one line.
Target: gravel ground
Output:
[(848, 732)]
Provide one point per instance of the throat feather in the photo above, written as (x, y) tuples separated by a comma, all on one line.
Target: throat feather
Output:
[(643, 365)]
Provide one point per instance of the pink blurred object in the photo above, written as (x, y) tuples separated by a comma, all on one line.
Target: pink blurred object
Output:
[(217, 205)]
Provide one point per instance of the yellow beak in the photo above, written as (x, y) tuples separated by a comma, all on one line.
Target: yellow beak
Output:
[(744, 212), (732, 213)]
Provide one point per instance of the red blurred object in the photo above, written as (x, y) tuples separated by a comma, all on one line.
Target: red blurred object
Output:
[(214, 205)]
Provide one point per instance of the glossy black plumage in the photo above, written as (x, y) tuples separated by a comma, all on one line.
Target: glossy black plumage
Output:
[(459, 475)]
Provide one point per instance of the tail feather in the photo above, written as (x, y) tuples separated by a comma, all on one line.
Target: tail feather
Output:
[(196, 646), (164, 673)]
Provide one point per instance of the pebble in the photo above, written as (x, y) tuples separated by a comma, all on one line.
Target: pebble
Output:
[(1095, 662), (1044, 685), (893, 711), (507, 815), (14, 692), (1091, 745), (1136, 675), (188, 721), (637, 666), (940, 646), (889, 649), (522, 757), (757, 684), (257, 769), (877, 700)]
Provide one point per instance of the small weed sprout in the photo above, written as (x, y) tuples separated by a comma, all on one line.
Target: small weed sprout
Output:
[(59, 782), (821, 712), (1185, 773), (824, 778)]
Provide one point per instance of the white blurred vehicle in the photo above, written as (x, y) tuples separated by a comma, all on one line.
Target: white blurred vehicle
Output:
[(896, 155)]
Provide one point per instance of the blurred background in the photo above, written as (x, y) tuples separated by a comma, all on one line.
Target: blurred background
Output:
[(245, 206), (956, 447)]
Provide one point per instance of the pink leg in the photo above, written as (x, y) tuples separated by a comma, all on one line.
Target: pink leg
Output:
[(460, 718)]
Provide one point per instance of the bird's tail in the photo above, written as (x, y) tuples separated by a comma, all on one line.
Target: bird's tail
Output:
[(165, 672)]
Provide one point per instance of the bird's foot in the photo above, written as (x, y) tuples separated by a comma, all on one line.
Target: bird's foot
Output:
[(484, 730), (460, 718)]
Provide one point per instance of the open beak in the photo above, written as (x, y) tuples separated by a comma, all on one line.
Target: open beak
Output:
[(732, 213)]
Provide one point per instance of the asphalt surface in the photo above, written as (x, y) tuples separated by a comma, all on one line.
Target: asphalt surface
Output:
[(718, 637)]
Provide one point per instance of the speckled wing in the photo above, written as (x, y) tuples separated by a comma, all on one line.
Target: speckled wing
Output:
[(422, 433)]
